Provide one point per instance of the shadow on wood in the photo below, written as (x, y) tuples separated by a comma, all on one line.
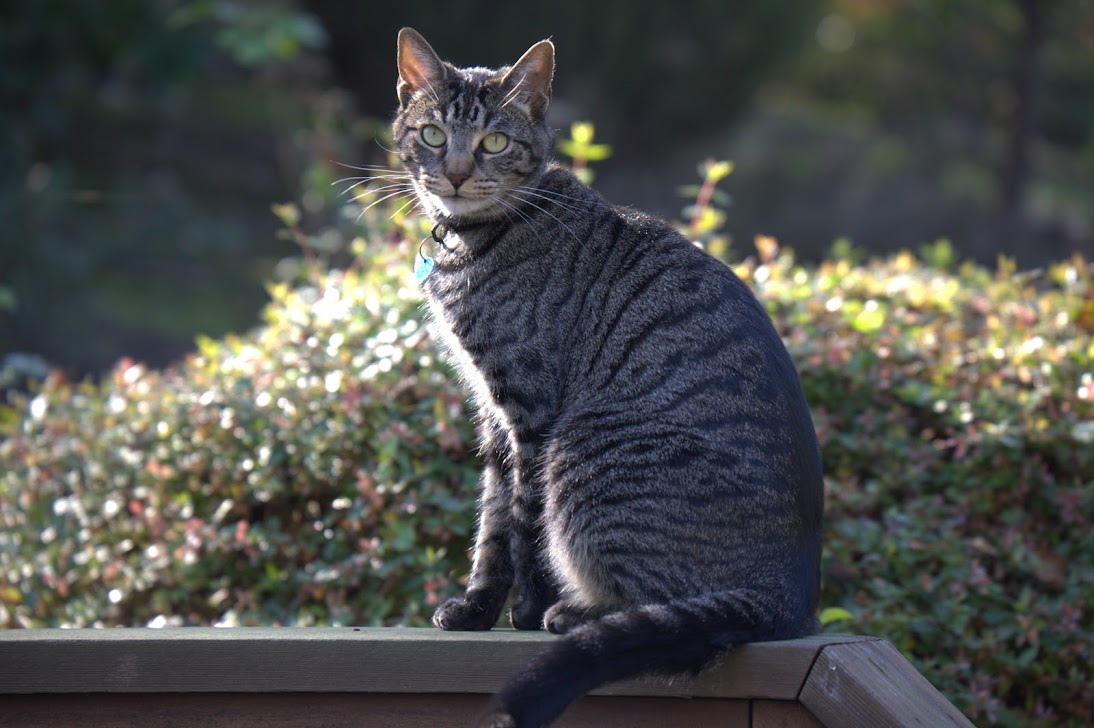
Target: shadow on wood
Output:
[(397, 677)]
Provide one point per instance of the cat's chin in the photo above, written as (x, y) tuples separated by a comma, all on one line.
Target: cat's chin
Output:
[(465, 209)]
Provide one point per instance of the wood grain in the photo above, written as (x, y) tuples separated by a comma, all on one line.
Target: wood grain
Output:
[(341, 710), (871, 685), (397, 678), (378, 660), (782, 714)]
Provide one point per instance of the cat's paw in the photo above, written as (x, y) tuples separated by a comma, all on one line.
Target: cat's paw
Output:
[(527, 613), (463, 614), (565, 616)]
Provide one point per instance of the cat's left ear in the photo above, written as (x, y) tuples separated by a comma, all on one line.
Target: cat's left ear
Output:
[(529, 80), (419, 65)]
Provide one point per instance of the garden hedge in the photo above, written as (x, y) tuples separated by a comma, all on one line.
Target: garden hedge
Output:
[(321, 469)]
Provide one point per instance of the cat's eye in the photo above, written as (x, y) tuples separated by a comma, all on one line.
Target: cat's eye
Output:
[(433, 136), (495, 142)]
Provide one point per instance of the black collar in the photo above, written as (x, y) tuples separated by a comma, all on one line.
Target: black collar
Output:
[(443, 229)]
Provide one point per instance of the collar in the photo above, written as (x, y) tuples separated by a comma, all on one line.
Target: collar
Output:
[(443, 229), (424, 264)]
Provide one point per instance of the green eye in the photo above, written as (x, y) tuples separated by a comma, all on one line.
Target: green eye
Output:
[(433, 136), (495, 142)]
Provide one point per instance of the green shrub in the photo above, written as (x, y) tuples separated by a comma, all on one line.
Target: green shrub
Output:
[(320, 470), (315, 471), (956, 418)]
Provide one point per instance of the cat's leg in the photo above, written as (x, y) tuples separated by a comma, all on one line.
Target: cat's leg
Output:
[(536, 588), (492, 565)]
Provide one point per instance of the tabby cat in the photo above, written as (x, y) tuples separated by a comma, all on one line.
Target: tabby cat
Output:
[(652, 486)]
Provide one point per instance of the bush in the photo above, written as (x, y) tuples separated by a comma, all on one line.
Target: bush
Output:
[(315, 471), (956, 418), (320, 469)]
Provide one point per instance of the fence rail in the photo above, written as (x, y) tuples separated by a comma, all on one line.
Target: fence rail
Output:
[(401, 677)]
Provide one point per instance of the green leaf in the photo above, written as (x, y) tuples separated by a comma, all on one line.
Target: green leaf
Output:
[(7, 299), (717, 171), (869, 319), (829, 615), (582, 132)]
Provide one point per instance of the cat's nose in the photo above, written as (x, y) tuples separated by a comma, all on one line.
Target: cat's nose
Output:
[(457, 179)]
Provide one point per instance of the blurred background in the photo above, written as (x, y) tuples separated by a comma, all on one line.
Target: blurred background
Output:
[(143, 142)]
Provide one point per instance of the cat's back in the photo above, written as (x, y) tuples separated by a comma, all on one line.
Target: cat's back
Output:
[(656, 313), (665, 338)]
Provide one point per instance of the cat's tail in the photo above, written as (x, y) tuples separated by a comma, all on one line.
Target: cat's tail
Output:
[(684, 636)]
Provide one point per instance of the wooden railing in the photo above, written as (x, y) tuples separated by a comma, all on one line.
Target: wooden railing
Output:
[(394, 678)]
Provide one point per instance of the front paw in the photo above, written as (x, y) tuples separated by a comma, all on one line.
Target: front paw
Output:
[(527, 613), (463, 614)]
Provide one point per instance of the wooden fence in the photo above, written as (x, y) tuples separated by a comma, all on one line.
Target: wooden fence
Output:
[(393, 678)]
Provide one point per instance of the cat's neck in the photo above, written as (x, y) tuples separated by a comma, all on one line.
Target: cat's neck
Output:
[(445, 228), (456, 237), (455, 241)]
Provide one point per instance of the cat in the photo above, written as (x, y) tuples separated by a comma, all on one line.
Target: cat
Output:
[(652, 486)]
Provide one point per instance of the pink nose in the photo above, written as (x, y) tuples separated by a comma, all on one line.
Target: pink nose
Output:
[(457, 179)]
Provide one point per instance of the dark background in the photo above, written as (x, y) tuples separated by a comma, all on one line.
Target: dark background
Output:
[(142, 143)]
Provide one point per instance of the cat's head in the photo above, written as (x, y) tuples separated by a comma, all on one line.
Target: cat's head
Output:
[(471, 137)]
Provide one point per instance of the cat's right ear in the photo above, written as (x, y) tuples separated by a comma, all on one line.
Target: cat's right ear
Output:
[(529, 80), (419, 65)]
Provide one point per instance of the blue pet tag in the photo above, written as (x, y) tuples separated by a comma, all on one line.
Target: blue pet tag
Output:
[(423, 266)]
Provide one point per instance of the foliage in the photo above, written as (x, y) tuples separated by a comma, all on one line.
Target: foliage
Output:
[(61, 56), (644, 69), (313, 471), (581, 150), (7, 300), (956, 416), (706, 214), (255, 35), (972, 118), (135, 156), (320, 469)]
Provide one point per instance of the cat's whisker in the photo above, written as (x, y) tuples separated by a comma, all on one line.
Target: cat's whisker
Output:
[(370, 168), (554, 201), (377, 174), (557, 195), (374, 190), (393, 190), (509, 206), (360, 179), (431, 93), (506, 210), (364, 181), (549, 203), (374, 203), (357, 194), (512, 95), (545, 212), (405, 205), (521, 214), (382, 188), (385, 181), (527, 217), (389, 151)]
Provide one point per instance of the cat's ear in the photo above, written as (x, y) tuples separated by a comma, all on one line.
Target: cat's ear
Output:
[(528, 82), (419, 65)]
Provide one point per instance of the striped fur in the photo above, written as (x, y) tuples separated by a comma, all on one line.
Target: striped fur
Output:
[(652, 485)]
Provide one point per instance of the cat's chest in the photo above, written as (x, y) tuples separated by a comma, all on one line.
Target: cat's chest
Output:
[(494, 340), (457, 323), (445, 321)]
